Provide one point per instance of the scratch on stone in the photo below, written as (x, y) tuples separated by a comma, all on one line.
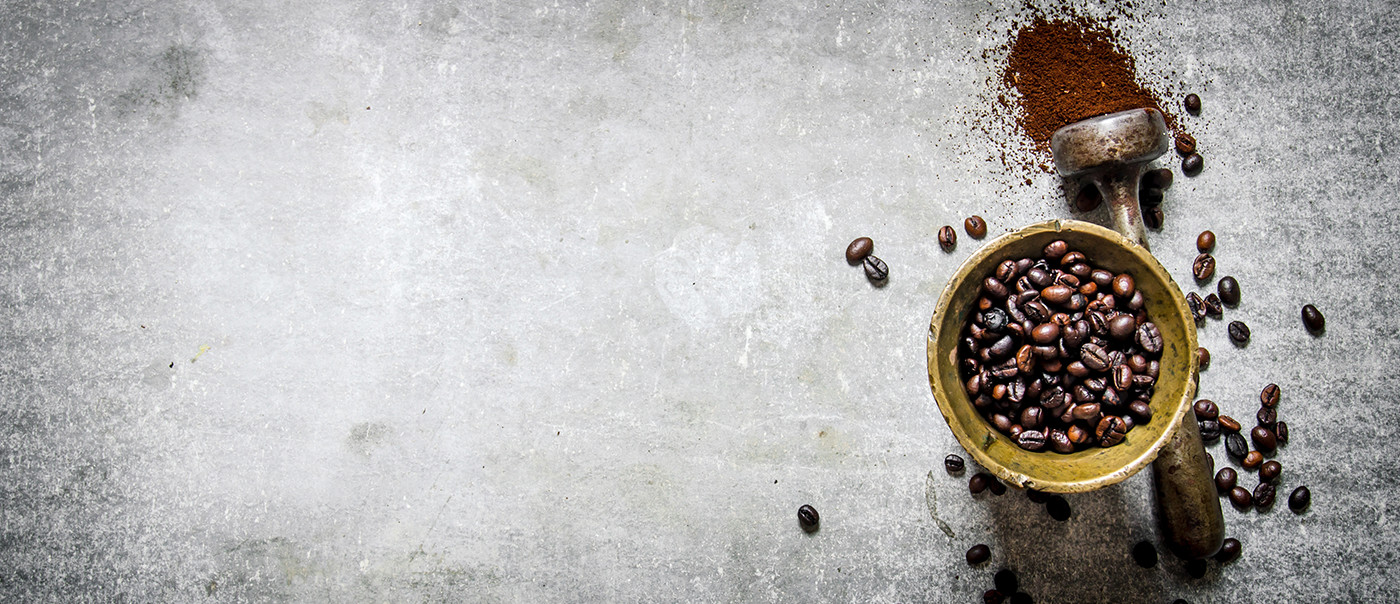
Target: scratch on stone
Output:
[(931, 498), (202, 350)]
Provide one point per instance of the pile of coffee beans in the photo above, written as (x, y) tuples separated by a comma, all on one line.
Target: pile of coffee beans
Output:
[(1060, 354)]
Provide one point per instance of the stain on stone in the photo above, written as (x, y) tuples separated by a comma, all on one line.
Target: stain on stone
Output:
[(365, 437), (159, 375), (174, 77), (322, 114)]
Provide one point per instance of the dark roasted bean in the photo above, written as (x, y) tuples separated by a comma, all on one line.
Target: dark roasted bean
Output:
[(1241, 497), (1204, 267), (954, 464), (1269, 396), (1205, 242), (1269, 471), (1185, 144), (1229, 551), (1229, 290), (1045, 333), (1032, 417), (979, 482), (1229, 424), (1206, 409), (808, 518), (1313, 319), (1202, 358), (1193, 164), (1210, 430), (1122, 327), (1055, 249), (1149, 338), (1056, 294), (975, 227), (947, 238), (1093, 356), (1252, 460), (1141, 411), (1239, 332), (1263, 439), (995, 320), (1031, 440), (1150, 198), (995, 289), (1214, 307), (1192, 104), (1235, 445), (1267, 417), (859, 249), (1225, 480), (1281, 432), (1059, 441), (1110, 431), (1058, 507), (997, 487), (1145, 554), (1005, 581), (1263, 496), (1196, 305), (876, 269), (1006, 271), (978, 554), (1153, 217), (1299, 500), (1122, 377), (1160, 178)]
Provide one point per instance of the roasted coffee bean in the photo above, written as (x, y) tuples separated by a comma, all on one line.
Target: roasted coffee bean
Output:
[(1031, 440), (1193, 164), (1045, 333), (1059, 442), (1213, 306), (997, 487), (1269, 471), (1205, 242), (1058, 508), (1299, 500), (1085, 412), (1145, 554), (1141, 411), (1225, 480), (1094, 356), (1312, 319), (1056, 294), (975, 227), (859, 249), (954, 464), (1002, 348), (1006, 582), (1032, 418), (1193, 104), (1266, 417), (1210, 462), (1150, 198), (1263, 439), (1235, 445), (979, 482), (1239, 332), (1210, 430), (1025, 359), (1072, 257), (1229, 290), (1160, 178), (1153, 217), (1229, 424), (1252, 460), (1137, 302), (947, 238), (996, 320), (1078, 435), (1149, 338), (876, 269), (1229, 551), (1281, 432), (1263, 496), (1124, 285), (1202, 358), (1006, 271), (1204, 267), (995, 289), (1055, 250), (1122, 327), (1196, 305), (1185, 144), (1196, 568), (1206, 409), (1241, 497), (1269, 396), (1110, 430), (808, 518), (978, 554), (1122, 377)]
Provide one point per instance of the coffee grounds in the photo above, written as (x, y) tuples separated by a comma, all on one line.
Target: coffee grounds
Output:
[(1067, 70)]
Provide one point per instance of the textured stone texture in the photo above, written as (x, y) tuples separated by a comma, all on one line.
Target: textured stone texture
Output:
[(493, 302)]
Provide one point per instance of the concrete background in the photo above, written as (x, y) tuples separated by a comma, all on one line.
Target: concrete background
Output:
[(435, 301)]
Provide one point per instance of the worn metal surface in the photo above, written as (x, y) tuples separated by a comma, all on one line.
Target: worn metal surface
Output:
[(448, 301)]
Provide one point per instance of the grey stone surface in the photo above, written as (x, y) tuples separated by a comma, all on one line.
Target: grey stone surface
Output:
[(435, 301)]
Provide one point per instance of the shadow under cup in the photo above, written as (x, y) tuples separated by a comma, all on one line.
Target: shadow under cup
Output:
[(1093, 467)]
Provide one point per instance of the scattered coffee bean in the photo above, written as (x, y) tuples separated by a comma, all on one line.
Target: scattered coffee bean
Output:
[(975, 227), (1185, 144), (1206, 409), (1263, 496), (1281, 432), (1225, 480), (1210, 462), (1192, 165), (953, 464), (992, 596), (1235, 445), (1241, 498), (979, 482), (1252, 460), (1153, 217), (1210, 430), (1229, 290), (1299, 500), (1145, 554), (1213, 306), (1239, 332), (1269, 396), (1229, 424), (997, 487), (1205, 242), (1270, 470), (859, 249), (1160, 178), (1196, 305), (1193, 104), (1312, 319), (807, 517), (1203, 358), (1204, 267), (1006, 582), (1264, 439), (1196, 568), (1267, 417), (1150, 197), (1229, 551), (876, 269), (978, 554), (947, 238)]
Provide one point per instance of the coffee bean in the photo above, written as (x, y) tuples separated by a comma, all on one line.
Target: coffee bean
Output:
[(1202, 358), (975, 227), (1229, 551), (979, 482), (1196, 305), (859, 249), (947, 238), (1140, 411), (1263, 496), (1145, 554), (1110, 430), (1213, 306), (1005, 581), (1160, 178), (1205, 242), (1252, 460), (1192, 165), (1093, 356), (1045, 333), (1060, 442), (1225, 480), (1031, 440), (1149, 338), (1239, 332), (1153, 217), (1210, 463), (1193, 104), (1123, 285), (1229, 424), (1281, 432), (1196, 568), (1206, 409), (1122, 327), (997, 487), (1210, 431), (1185, 144), (992, 596), (1241, 498), (1235, 445), (978, 554), (1058, 508), (1270, 470), (1312, 319), (1300, 499), (876, 269), (1269, 396), (1055, 250), (1150, 197), (1229, 290), (1204, 267), (807, 517), (953, 464), (1267, 417), (1263, 439)]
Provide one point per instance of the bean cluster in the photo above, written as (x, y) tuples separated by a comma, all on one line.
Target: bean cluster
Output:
[(1060, 354)]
